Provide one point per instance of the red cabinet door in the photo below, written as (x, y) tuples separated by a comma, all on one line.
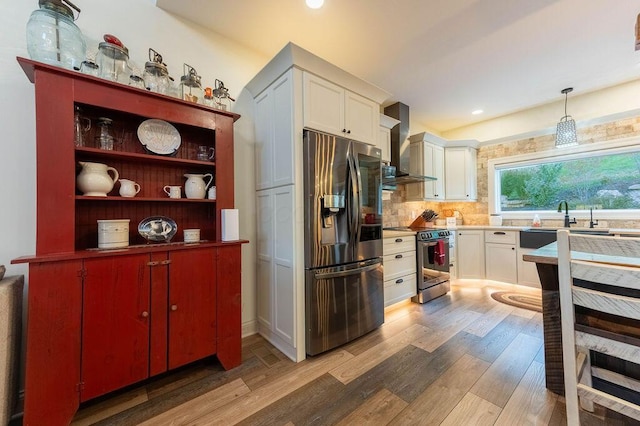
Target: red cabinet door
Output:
[(115, 323), (192, 305)]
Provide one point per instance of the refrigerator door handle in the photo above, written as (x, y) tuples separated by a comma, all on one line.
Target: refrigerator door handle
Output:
[(355, 189), (356, 271)]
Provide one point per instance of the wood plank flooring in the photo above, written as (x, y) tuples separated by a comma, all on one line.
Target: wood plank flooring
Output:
[(461, 359)]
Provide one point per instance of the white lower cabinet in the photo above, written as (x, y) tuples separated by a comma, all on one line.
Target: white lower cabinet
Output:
[(500, 256), (276, 283), (527, 271), (399, 257), (470, 254)]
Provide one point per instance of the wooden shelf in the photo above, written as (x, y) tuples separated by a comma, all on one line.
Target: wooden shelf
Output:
[(148, 158), (144, 199)]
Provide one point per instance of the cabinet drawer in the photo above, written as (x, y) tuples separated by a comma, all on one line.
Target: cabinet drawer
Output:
[(398, 244), (505, 237), (399, 264), (399, 289)]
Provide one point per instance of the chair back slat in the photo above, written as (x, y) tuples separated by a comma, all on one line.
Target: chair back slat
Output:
[(619, 276), (610, 303), (608, 346), (605, 245)]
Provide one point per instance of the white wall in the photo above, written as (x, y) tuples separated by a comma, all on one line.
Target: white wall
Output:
[(140, 25)]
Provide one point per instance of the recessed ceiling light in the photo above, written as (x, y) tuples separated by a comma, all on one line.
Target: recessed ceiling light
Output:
[(315, 4), (476, 112)]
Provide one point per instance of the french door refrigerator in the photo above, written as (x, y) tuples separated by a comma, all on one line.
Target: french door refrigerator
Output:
[(343, 240)]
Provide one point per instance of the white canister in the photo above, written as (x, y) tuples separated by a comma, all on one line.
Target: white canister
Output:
[(192, 235), (495, 220), (113, 233)]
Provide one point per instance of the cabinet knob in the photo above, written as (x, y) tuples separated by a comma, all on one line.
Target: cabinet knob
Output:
[(513, 248), (344, 130), (349, 132), (174, 307), (145, 314)]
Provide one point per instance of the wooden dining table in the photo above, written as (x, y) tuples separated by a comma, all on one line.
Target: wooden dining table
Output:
[(546, 260)]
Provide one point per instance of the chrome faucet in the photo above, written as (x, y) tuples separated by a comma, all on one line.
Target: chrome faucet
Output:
[(591, 222), (567, 222)]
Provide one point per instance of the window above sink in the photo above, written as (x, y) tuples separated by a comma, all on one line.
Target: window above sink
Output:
[(603, 176)]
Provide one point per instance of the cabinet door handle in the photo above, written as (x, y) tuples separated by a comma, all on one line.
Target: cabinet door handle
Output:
[(399, 281), (344, 130), (153, 263), (165, 262), (513, 248), (399, 240), (499, 233), (145, 314), (349, 132), (398, 256), (174, 307)]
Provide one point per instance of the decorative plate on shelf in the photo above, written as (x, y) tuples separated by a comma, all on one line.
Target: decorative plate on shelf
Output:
[(158, 228), (159, 137)]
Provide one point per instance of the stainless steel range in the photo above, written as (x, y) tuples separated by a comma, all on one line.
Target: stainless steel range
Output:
[(432, 254)]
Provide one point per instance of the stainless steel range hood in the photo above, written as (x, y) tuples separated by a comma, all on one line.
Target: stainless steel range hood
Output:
[(399, 173)]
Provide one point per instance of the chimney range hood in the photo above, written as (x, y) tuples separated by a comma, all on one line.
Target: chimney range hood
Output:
[(398, 173)]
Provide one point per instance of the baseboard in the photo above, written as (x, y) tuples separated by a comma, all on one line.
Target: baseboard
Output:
[(249, 328)]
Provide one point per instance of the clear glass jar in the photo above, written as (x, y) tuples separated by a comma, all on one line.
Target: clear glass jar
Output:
[(113, 62), (191, 87), (104, 134), (52, 36), (156, 75)]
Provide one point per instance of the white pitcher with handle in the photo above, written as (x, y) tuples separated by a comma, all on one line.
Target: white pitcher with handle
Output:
[(196, 187), (94, 179)]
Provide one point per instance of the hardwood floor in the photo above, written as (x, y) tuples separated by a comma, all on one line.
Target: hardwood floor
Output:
[(462, 359)]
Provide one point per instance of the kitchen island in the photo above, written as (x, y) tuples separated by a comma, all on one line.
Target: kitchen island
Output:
[(546, 260)]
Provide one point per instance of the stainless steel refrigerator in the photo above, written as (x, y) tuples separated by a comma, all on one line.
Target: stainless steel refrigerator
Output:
[(343, 240)]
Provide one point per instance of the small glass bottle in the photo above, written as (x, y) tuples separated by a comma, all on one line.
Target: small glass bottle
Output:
[(208, 97)]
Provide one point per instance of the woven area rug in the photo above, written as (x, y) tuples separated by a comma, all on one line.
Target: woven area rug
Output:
[(520, 300)]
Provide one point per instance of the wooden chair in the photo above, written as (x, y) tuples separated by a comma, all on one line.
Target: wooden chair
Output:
[(608, 265)]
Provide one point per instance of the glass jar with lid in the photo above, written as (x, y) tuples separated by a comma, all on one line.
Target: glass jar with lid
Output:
[(53, 37), (156, 75), (113, 62), (191, 86)]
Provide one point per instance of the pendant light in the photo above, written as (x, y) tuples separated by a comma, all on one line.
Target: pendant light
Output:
[(566, 133)]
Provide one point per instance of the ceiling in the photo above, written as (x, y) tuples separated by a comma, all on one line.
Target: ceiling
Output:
[(446, 58)]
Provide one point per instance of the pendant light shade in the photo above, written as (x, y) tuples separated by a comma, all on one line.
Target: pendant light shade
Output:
[(566, 134)]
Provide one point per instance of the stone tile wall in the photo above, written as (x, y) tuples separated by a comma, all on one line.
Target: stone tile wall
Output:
[(398, 212)]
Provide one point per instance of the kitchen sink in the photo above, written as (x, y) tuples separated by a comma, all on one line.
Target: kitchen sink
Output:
[(538, 237)]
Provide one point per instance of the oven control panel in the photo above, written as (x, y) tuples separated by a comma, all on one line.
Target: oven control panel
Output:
[(434, 234)]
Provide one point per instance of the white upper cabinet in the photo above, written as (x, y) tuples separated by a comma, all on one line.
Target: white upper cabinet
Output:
[(426, 159), (332, 109), (384, 142), (274, 152), (460, 174)]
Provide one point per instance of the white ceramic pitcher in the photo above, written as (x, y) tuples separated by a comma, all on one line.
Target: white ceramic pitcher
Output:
[(128, 188), (196, 187), (94, 179)]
